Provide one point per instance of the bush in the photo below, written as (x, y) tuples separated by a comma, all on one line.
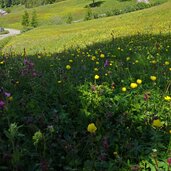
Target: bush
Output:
[(69, 19), (4, 32), (89, 14)]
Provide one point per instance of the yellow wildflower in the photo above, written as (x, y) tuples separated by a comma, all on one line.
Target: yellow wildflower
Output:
[(167, 98), (68, 67), (123, 89), (71, 61), (93, 58), (153, 62), (153, 78), (167, 63), (102, 55), (157, 123), (2, 62), (133, 85), (91, 128), (10, 98), (139, 81), (96, 77), (95, 69), (128, 58)]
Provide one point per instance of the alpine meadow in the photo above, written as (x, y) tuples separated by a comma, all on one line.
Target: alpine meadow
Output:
[(85, 85)]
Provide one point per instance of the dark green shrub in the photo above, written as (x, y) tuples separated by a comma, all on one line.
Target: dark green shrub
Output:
[(69, 19), (89, 14)]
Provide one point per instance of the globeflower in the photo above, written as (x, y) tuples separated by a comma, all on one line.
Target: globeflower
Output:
[(167, 98), (167, 63), (68, 67), (95, 69), (139, 81), (96, 77), (153, 78), (71, 61), (133, 85), (102, 55), (91, 128), (123, 89), (2, 62), (157, 123)]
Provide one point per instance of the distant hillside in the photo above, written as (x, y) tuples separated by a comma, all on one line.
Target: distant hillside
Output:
[(57, 13), (57, 38), (26, 3)]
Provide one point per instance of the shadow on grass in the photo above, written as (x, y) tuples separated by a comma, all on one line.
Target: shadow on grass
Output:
[(59, 95), (95, 4)]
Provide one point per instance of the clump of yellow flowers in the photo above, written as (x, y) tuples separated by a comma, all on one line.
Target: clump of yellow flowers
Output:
[(133, 85), (91, 128)]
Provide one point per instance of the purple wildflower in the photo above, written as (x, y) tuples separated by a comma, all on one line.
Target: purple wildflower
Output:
[(2, 104), (7, 94), (107, 63)]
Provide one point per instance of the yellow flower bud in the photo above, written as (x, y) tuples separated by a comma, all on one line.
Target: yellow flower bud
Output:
[(91, 128), (139, 81), (123, 89), (68, 67), (153, 78), (96, 77)]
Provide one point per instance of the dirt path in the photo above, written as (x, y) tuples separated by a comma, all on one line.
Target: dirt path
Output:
[(12, 32)]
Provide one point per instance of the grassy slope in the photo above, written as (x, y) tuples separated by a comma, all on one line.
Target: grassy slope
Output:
[(54, 38), (57, 13)]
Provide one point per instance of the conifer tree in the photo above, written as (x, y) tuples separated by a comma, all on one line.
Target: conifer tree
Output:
[(25, 19), (34, 21)]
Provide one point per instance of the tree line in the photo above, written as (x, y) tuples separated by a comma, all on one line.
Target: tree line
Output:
[(27, 3)]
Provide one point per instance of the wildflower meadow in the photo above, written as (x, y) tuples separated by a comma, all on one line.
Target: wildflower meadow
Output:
[(105, 107)]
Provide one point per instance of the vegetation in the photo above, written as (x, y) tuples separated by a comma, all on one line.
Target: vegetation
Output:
[(93, 95), (55, 14), (25, 19), (54, 38), (49, 100), (4, 32), (27, 3)]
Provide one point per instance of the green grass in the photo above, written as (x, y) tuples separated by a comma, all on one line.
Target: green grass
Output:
[(57, 13), (57, 38)]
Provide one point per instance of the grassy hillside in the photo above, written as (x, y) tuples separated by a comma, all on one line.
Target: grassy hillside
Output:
[(57, 13), (101, 104), (57, 38)]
